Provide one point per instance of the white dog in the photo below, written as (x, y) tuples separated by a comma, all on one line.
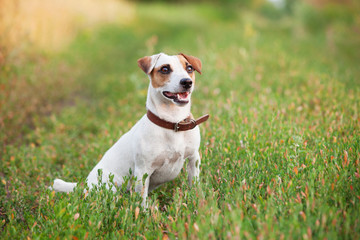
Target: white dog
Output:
[(159, 143)]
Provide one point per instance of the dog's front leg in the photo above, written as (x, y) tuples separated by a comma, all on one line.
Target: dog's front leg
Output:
[(193, 168), (142, 184)]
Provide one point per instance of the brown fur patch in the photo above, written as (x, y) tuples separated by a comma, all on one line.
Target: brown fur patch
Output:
[(175, 157), (160, 160), (184, 63), (194, 61), (158, 79)]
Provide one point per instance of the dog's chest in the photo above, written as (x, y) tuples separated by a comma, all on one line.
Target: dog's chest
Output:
[(168, 162), (170, 159)]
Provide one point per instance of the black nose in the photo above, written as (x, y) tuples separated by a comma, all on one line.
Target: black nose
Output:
[(186, 83)]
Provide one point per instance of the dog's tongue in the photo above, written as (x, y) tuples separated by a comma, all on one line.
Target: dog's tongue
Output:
[(182, 95), (170, 94)]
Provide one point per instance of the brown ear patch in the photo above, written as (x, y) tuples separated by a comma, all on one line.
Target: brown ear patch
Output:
[(145, 64), (194, 61)]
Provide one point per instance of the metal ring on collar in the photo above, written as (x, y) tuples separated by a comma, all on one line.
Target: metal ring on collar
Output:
[(176, 127)]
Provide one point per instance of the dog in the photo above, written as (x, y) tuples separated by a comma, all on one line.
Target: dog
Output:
[(157, 146)]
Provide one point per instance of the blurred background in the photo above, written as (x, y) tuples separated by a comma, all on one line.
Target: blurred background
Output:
[(52, 24), (48, 47)]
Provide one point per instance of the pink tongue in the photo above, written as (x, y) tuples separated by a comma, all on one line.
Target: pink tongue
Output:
[(182, 95)]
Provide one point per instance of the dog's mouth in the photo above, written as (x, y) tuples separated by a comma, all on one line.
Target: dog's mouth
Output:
[(180, 97)]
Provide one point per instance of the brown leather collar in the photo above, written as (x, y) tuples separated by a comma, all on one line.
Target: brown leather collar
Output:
[(186, 124)]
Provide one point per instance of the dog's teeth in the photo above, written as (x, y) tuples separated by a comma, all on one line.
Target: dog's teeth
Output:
[(182, 95)]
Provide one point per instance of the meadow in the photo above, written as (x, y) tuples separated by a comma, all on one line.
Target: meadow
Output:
[(280, 152)]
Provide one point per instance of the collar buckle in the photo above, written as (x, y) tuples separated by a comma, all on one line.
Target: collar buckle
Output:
[(176, 127)]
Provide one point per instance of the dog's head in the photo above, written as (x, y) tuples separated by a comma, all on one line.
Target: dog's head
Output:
[(172, 76)]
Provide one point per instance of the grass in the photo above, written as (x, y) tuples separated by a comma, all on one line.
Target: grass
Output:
[(280, 153)]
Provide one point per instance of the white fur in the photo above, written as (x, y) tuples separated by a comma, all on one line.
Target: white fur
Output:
[(147, 148)]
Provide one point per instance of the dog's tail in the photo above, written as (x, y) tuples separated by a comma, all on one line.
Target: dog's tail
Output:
[(62, 186)]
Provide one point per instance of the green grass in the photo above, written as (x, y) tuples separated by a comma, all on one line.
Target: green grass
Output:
[(280, 153)]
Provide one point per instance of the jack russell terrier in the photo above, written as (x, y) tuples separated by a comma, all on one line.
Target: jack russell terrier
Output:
[(156, 146)]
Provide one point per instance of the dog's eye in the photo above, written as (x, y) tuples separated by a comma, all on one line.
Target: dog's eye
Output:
[(165, 70), (189, 69)]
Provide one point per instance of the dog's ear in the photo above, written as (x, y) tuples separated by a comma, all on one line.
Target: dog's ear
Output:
[(147, 63), (194, 61)]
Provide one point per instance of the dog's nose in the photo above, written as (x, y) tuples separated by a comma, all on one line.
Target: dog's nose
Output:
[(186, 83)]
